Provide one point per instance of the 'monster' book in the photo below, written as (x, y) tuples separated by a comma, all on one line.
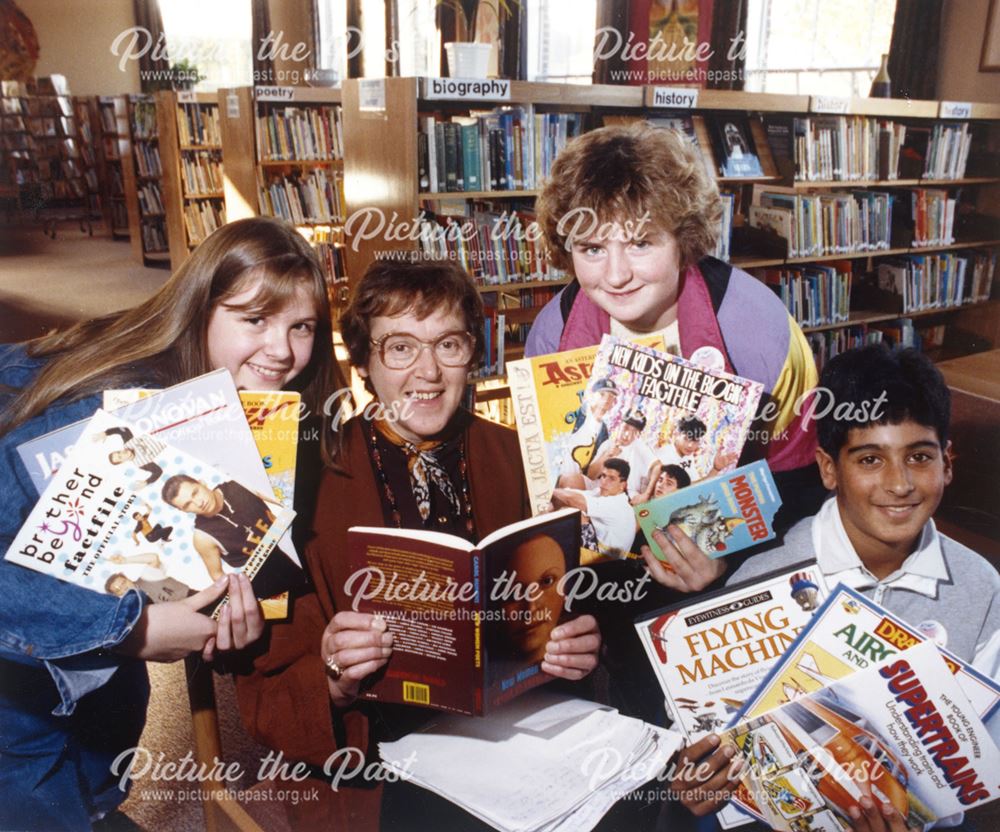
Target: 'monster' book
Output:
[(710, 655), (128, 510), (470, 622), (721, 515), (900, 732)]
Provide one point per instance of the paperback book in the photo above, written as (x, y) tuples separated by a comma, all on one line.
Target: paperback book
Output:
[(900, 731), (148, 515), (721, 515), (470, 622), (710, 656)]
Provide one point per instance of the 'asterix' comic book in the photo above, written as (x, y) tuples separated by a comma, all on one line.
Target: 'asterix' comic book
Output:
[(126, 509), (847, 633), (721, 515), (901, 732), (710, 655)]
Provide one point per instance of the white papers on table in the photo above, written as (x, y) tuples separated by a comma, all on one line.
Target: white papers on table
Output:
[(544, 763)]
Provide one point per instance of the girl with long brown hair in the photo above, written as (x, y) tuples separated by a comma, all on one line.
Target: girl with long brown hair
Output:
[(73, 686)]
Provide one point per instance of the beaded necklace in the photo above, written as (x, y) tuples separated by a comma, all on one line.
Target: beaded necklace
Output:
[(391, 497)]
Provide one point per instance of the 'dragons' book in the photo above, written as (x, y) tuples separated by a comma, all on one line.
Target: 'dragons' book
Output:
[(128, 510)]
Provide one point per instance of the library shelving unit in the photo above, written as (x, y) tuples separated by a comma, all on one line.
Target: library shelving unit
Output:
[(190, 143), (87, 127), (60, 191), (387, 171), (17, 166), (283, 157), (143, 195), (116, 155)]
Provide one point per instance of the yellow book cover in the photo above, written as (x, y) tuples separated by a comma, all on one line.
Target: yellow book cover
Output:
[(274, 421)]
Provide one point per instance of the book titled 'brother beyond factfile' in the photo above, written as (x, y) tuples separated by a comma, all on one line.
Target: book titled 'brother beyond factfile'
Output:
[(469, 622)]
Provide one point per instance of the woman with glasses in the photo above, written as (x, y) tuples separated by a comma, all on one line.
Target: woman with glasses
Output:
[(414, 459)]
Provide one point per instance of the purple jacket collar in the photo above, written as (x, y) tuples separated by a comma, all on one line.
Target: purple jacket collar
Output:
[(697, 322)]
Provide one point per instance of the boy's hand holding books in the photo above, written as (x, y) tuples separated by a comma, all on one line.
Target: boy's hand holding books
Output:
[(705, 775), (687, 568)]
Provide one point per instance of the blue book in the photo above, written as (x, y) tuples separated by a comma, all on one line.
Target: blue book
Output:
[(722, 515)]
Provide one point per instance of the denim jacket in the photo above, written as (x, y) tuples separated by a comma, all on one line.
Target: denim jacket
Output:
[(55, 661)]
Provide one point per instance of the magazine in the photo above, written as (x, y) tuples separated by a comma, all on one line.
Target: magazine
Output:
[(127, 510), (710, 655), (900, 731), (847, 633), (669, 414), (721, 515), (470, 622)]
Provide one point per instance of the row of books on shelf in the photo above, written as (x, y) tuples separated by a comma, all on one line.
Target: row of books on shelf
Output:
[(147, 159), (202, 172), (300, 134), (109, 119), (154, 236), (507, 149), (143, 119), (303, 197), (198, 124), (847, 148), (824, 223), (814, 295), (50, 126), (119, 216), (202, 218), (150, 200), (48, 106), (51, 188), (933, 216), (494, 247), (900, 332), (947, 151), (937, 281), (328, 243)]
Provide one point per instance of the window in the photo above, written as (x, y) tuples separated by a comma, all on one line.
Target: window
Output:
[(816, 47), (561, 40), (334, 41), (213, 36)]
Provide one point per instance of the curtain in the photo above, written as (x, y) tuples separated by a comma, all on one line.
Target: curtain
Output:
[(913, 52), (728, 61), (263, 66), (355, 67), (514, 44), (613, 19), (151, 72)]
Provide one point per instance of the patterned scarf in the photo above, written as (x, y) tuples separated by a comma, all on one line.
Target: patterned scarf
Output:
[(424, 469)]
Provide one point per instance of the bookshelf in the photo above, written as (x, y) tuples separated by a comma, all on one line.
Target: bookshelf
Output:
[(116, 150), (142, 174), (284, 152), (17, 167), (190, 143), (388, 174), (88, 131)]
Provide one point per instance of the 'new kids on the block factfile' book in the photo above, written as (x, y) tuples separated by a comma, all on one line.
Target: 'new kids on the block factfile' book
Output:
[(128, 509), (470, 622), (901, 731), (848, 633), (721, 515), (710, 655)]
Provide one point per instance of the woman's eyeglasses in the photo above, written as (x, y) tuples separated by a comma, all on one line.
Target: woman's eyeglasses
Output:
[(400, 351)]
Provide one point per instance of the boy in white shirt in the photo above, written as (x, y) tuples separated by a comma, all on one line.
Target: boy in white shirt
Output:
[(888, 463)]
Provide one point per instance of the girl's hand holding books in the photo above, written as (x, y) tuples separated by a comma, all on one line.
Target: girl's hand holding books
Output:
[(171, 630), (573, 648), (354, 645), (687, 568)]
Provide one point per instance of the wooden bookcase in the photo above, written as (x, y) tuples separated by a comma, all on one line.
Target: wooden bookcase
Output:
[(191, 152), (142, 173), (88, 133), (17, 165), (116, 157), (382, 172)]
